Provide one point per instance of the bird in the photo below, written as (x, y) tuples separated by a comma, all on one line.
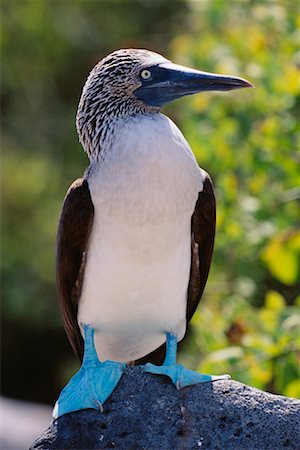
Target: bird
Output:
[(136, 232)]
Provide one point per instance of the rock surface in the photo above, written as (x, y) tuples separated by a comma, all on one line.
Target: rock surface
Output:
[(147, 412)]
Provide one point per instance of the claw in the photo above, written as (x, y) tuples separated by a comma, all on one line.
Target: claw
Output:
[(100, 406)]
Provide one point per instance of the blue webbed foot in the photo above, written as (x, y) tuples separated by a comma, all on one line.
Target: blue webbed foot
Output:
[(92, 384), (180, 376)]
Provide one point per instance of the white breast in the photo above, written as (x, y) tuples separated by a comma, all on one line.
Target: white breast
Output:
[(138, 259)]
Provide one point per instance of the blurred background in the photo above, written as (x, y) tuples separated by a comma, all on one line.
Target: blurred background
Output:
[(248, 322)]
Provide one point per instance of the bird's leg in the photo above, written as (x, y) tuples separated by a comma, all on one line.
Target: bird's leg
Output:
[(92, 384), (179, 375)]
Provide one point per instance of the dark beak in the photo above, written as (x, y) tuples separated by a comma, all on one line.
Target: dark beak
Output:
[(170, 81)]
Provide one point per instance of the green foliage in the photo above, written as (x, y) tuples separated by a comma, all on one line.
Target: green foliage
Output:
[(248, 322)]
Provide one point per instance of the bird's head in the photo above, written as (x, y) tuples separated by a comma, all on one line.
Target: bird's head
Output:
[(134, 81)]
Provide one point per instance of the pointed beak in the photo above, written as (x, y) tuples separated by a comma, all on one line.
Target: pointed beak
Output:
[(170, 81)]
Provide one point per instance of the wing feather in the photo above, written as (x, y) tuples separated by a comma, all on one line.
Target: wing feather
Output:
[(203, 235), (72, 239)]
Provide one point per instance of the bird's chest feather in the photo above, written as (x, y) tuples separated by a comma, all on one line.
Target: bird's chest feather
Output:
[(149, 174)]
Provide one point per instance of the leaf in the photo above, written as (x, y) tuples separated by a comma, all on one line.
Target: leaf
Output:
[(281, 260), (292, 389), (274, 301)]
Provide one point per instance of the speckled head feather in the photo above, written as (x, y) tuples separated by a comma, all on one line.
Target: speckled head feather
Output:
[(108, 95)]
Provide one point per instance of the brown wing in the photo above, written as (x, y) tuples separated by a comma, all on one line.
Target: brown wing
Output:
[(72, 238), (202, 234)]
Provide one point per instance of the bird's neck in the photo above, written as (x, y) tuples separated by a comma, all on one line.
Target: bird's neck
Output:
[(97, 135), (97, 129)]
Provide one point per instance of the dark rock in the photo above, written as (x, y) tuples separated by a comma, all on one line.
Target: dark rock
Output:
[(148, 412)]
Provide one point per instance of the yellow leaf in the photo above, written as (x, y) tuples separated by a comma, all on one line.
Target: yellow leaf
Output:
[(292, 389), (282, 260), (233, 230), (274, 301), (294, 241), (289, 80), (260, 375), (200, 103)]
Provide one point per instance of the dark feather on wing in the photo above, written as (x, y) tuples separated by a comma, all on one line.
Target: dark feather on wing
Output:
[(72, 238)]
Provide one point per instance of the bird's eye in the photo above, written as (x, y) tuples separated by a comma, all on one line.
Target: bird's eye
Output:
[(146, 74)]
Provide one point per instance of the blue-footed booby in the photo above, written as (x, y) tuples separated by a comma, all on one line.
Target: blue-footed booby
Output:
[(136, 233)]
